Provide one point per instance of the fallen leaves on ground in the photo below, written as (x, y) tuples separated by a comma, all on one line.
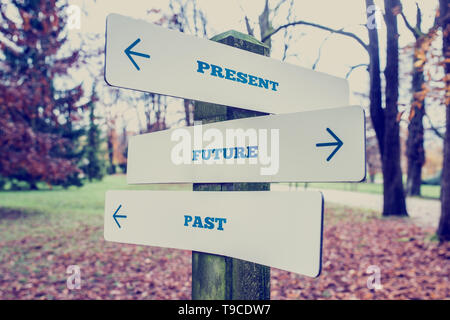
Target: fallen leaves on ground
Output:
[(411, 265)]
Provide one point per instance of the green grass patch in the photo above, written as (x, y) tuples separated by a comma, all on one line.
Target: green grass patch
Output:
[(89, 198), (34, 213), (427, 191)]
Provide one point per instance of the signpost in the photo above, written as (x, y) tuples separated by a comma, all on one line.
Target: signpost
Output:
[(313, 146), (217, 276), (235, 224), (147, 57), (235, 236)]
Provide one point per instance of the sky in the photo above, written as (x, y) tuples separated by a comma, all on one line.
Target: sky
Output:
[(337, 53)]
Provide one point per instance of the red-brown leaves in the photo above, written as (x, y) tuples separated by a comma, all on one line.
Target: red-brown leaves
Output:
[(31, 108), (411, 266)]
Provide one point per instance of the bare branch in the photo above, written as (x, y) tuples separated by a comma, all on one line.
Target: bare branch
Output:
[(265, 24), (195, 15), (355, 67), (287, 35), (204, 23), (315, 25), (417, 30), (413, 30), (418, 18), (277, 7), (319, 54), (433, 128), (249, 28)]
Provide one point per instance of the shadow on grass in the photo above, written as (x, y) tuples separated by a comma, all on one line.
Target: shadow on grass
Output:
[(16, 214)]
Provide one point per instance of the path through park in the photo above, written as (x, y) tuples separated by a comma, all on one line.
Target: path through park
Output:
[(424, 212)]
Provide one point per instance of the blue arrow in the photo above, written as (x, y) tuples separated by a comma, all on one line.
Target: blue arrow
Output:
[(129, 53), (338, 144), (115, 215)]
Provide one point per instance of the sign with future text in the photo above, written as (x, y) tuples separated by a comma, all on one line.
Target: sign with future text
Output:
[(326, 145)]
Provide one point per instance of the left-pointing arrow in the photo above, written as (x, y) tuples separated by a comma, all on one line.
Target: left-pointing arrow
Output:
[(116, 216), (128, 51)]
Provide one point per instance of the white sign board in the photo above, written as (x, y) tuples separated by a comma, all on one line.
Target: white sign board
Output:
[(277, 229), (150, 58), (326, 145)]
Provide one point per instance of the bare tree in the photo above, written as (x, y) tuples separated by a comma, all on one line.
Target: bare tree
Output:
[(383, 119), (415, 143), (394, 198), (375, 94), (443, 230), (265, 24), (195, 24)]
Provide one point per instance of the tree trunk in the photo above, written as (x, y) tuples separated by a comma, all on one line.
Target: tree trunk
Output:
[(444, 222), (376, 110), (220, 277), (149, 103), (414, 145), (112, 167), (188, 112), (264, 24), (32, 185), (394, 197)]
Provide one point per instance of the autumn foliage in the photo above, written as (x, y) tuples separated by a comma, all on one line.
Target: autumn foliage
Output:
[(36, 118)]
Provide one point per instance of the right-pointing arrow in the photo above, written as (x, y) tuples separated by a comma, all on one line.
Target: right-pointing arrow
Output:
[(338, 144)]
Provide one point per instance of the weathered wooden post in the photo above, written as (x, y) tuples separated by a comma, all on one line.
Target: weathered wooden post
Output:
[(219, 277)]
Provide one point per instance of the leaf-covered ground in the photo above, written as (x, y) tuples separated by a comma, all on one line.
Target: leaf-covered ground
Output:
[(36, 249)]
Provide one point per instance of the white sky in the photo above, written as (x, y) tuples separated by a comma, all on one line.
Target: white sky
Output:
[(337, 54)]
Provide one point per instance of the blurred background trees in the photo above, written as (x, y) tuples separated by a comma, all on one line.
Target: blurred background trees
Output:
[(61, 125), (39, 119)]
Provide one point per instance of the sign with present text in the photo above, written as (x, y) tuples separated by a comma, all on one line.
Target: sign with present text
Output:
[(146, 57)]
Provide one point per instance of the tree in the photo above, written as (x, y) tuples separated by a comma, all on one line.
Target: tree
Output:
[(38, 120), (375, 94), (372, 152), (265, 24), (443, 230), (415, 143), (394, 198), (95, 166), (179, 20), (384, 120)]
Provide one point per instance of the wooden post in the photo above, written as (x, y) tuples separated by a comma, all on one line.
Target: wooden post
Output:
[(220, 277)]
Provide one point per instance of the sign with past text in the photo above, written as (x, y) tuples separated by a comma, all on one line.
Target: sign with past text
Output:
[(277, 229), (150, 58)]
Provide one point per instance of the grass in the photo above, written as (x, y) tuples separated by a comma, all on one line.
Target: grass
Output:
[(48, 211), (428, 191), (44, 231), (87, 199)]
